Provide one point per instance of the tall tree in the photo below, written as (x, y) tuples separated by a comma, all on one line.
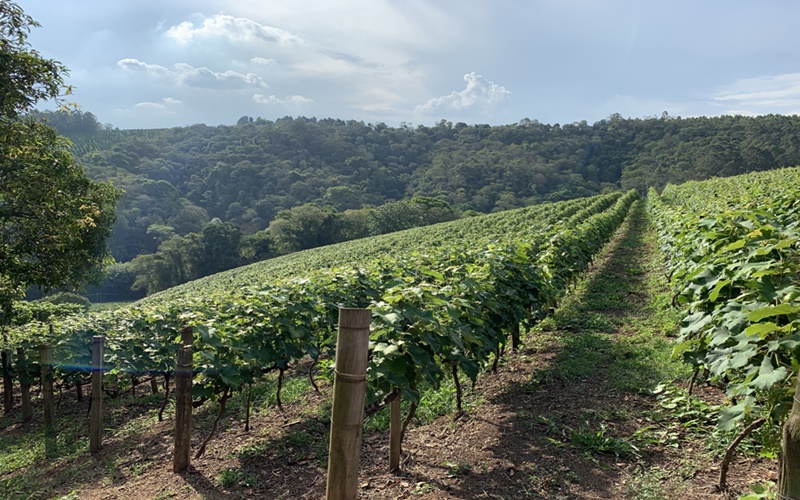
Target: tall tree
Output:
[(53, 221)]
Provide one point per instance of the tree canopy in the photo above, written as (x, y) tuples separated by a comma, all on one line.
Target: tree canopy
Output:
[(294, 183), (54, 221)]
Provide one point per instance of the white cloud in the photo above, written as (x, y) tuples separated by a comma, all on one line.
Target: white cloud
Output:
[(262, 61), (765, 94), (136, 65), (189, 76), (779, 94), (162, 105), (236, 29), (479, 93), (295, 100), (205, 78)]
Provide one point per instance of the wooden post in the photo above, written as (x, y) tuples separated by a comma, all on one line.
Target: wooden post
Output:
[(24, 385), (96, 419), (183, 403), (395, 433), (8, 383), (789, 459), (347, 414), (46, 356)]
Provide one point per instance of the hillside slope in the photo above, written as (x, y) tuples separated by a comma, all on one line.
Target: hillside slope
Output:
[(573, 414), (248, 173)]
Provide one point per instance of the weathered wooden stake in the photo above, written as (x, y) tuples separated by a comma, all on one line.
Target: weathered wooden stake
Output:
[(96, 419), (183, 403), (789, 459), (395, 433), (24, 386), (46, 357), (8, 382), (347, 414)]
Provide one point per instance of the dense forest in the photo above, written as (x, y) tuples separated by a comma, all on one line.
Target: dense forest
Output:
[(201, 199)]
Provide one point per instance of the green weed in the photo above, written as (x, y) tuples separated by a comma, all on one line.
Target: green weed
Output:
[(235, 476), (599, 441), (456, 469)]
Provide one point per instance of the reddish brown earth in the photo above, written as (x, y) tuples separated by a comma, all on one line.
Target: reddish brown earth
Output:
[(501, 445)]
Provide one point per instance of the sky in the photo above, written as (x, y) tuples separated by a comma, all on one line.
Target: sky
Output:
[(165, 63)]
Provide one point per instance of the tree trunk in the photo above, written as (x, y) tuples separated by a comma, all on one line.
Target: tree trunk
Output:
[(25, 386), (166, 398), (46, 356), (225, 395), (8, 383), (247, 409), (278, 391), (516, 342), (459, 408), (726, 460)]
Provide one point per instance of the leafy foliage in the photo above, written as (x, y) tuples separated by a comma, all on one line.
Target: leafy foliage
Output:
[(733, 251), (25, 76), (435, 314), (53, 220), (323, 180)]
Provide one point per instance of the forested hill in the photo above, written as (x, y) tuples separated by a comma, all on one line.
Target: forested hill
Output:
[(177, 180)]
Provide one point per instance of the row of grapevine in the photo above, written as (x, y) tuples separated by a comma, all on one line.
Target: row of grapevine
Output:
[(733, 253), (435, 314), (104, 140), (465, 232)]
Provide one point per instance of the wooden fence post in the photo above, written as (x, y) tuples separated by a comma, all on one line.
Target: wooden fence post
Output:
[(96, 419), (24, 385), (789, 458), (183, 403), (46, 356), (347, 414), (8, 383), (395, 433)]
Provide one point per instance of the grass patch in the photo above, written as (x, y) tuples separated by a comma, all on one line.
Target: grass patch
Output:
[(660, 483), (108, 306), (458, 468), (34, 464), (434, 403), (600, 441), (28, 455), (620, 318), (235, 476)]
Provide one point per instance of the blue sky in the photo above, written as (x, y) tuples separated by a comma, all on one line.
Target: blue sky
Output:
[(147, 64)]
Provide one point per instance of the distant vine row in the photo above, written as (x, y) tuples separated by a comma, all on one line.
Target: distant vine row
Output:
[(442, 313)]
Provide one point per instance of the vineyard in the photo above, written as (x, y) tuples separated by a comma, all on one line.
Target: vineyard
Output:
[(452, 303), (445, 301), (254, 320), (733, 254)]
